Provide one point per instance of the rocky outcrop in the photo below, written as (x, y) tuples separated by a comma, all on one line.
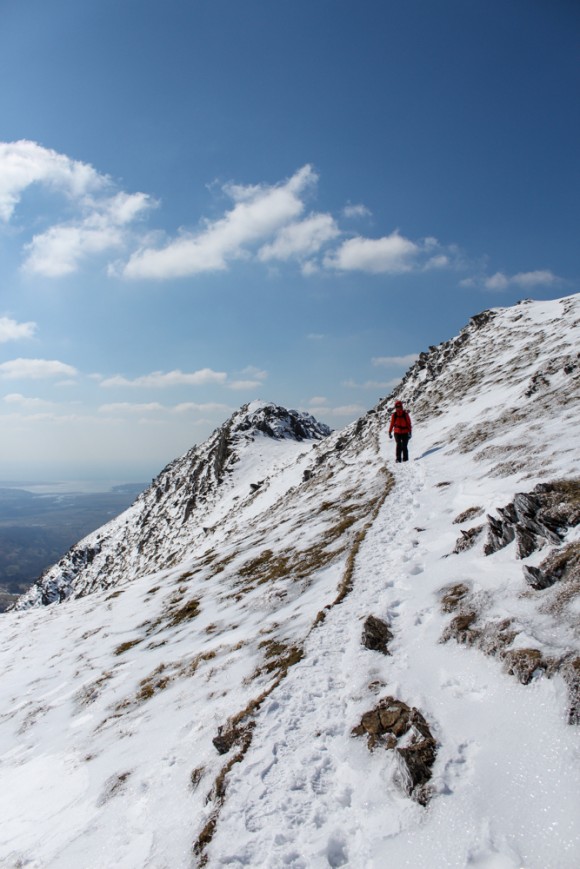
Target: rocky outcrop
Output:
[(562, 565), (468, 539), (376, 635), (394, 725), (535, 519)]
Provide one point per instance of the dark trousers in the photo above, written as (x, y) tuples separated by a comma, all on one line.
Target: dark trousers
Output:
[(402, 441)]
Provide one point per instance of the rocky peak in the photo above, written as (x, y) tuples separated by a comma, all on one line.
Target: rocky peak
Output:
[(276, 422)]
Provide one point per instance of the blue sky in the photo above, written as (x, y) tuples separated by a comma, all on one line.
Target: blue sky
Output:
[(203, 202)]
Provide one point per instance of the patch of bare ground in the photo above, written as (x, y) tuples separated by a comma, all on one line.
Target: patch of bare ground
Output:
[(468, 515)]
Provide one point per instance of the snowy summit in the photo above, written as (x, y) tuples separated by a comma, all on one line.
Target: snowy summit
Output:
[(293, 652)]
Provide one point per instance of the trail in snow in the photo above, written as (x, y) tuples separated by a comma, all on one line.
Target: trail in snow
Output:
[(309, 796)]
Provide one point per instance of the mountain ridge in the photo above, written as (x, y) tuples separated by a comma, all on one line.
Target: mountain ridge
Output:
[(361, 663), (185, 490)]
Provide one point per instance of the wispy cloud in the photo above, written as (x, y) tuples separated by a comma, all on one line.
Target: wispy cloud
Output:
[(25, 163), (60, 249), (26, 403), (344, 412), (101, 214), (300, 239), (249, 378), (500, 281), (392, 253), (265, 223), (371, 384), (395, 361), (11, 330), (35, 369), (356, 211), (160, 379), (123, 407), (207, 407), (258, 213)]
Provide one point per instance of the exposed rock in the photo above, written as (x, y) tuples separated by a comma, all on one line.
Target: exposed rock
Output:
[(535, 519), (230, 735), (523, 663), (468, 539), (467, 515), (536, 577), (562, 564), (452, 596), (394, 725), (461, 629), (570, 671), (376, 635), (499, 534)]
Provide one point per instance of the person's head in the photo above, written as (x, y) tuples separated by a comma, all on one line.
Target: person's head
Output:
[(398, 406)]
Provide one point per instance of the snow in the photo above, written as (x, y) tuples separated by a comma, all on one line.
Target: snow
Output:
[(110, 701)]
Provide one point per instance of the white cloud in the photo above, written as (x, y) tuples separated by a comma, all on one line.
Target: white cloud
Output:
[(372, 384), (244, 384), (258, 213), (356, 211), (130, 407), (315, 336), (256, 373), (10, 330), (301, 239), (35, 369), (496, 282), (391, 254), (533, 279), (15, 398), (501, 281), (385, 361), (345, 411), (59, 250), (160, 379), (208, 407), (440, 261), (102, 216), (24, 163)]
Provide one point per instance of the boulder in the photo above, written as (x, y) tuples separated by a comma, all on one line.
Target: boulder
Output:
[(376, 635)]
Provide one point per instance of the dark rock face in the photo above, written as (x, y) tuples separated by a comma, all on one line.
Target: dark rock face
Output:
[(392, 722), (376, 635), (535, 519), (561, 565)]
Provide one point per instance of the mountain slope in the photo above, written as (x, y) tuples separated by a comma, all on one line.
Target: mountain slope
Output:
[(219, 709), (184, 503)]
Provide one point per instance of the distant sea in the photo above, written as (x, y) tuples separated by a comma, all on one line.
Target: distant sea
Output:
[(40, 521), (73, 487)]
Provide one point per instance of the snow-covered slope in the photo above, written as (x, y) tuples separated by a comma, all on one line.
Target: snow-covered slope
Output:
[(217, 706), (227, 475)]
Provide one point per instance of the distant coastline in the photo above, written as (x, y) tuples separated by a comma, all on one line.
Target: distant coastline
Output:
[(40, 521)]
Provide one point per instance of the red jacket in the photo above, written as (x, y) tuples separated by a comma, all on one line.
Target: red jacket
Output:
[(400, 423)]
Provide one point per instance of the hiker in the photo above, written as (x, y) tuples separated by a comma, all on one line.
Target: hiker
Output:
[(401, 426)]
